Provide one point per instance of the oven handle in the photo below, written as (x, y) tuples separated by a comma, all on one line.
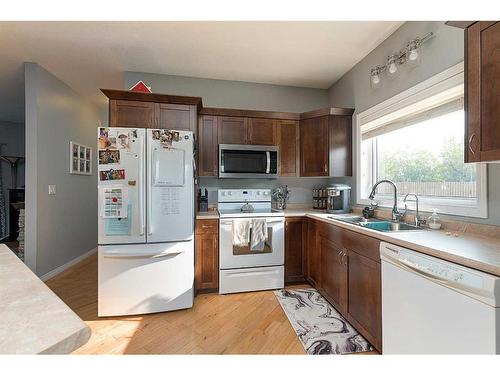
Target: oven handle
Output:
[(268, 221), (268, 165)]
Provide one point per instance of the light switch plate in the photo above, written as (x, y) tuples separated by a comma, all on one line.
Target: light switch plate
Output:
[(52, 189)]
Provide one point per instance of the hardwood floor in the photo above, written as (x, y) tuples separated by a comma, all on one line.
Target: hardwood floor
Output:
[(244, 323)]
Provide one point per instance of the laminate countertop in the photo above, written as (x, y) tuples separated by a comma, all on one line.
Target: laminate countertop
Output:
[(470, 250), (33, 320)]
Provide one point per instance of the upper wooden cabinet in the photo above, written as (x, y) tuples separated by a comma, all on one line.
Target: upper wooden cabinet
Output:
[(326, 143), (482, 92), (340, 146), (208, 160), (261, 131), (233, 130), (176, 116), (289, 147), (131, 114), (142, 110), (314, 145)]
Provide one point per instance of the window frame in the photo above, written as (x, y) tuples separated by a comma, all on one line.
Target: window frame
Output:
[(440, 82)]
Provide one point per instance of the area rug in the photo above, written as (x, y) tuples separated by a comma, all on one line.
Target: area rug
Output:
[(320, 328)]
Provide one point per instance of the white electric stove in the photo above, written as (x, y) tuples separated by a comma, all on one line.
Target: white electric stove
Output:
[(242, 268)]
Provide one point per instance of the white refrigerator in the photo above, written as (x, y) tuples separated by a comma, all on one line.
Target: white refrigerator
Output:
[(146, 221)]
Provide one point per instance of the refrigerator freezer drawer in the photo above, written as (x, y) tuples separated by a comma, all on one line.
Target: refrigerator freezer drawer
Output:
[(251, 279), (141, 279)]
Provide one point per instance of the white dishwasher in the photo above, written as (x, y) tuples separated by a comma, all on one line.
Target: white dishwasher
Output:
[(431, 306)]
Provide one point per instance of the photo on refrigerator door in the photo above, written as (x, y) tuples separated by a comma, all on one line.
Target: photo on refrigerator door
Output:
[(109, 157), (112, 174)]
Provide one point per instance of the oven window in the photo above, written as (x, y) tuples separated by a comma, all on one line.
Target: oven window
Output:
[(265, 249), (239, 161)]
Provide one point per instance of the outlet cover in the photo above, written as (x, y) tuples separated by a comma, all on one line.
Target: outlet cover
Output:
[(52, 189)]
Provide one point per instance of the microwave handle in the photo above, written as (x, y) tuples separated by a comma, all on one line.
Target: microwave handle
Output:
[(268, 165)]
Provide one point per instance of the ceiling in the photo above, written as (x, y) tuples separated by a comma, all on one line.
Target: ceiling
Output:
[(91, 55)]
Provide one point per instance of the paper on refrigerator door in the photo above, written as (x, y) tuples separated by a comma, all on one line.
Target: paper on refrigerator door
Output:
[(120, 226), (114, 202)]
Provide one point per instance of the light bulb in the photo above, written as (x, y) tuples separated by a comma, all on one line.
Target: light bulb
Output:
[(413, 55), (376, 79), (393, 68)]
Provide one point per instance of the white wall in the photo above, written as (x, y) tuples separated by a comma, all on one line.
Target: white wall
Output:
[(444, 50), (60, 227), (12, 136)]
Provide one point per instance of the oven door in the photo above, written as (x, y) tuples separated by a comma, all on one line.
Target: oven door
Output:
[(243, 256), (246, 161)]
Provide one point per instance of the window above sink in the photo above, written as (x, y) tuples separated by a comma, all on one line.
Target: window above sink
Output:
[(416, 139)]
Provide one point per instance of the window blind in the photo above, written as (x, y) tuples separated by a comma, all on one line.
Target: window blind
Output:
[(445, 102)]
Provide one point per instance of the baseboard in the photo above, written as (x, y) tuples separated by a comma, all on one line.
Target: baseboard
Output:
[(65, 266)]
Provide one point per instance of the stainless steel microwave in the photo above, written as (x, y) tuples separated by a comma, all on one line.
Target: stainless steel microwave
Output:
[(248, 161)]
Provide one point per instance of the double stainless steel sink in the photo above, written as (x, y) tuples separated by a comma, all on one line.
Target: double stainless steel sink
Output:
[(381, 225)]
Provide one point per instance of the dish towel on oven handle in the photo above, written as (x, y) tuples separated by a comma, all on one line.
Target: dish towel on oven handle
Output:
[(241, 232), (259, 235)]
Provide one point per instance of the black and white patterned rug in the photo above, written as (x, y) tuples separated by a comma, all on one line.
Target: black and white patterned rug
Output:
[(320, 328)]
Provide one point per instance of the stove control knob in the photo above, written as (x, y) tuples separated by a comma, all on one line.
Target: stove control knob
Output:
[(258, 192), (266, 193), (230, 193)]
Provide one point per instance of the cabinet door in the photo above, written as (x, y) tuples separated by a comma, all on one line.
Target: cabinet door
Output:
[(365, 306), (333, 274), (313, 255), (314, 147), (232, 130), (208, 160), (482, 92), (262, 131), (340, 138), (294, 249), (288, 143), (176, 117), (131, 114), (207, 255)]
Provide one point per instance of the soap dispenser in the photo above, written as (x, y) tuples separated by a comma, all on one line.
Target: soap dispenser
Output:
[(434, 220)]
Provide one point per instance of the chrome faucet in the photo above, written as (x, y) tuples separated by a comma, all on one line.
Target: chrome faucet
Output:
[(418, 221), (396, 215)]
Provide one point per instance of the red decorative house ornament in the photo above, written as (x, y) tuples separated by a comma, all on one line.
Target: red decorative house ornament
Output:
[(141, 87)]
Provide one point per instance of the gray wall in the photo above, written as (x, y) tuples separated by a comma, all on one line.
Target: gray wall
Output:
[(234, 94), (242, 95), (60, 227), (12, 136), (300, 188), (444, 50)]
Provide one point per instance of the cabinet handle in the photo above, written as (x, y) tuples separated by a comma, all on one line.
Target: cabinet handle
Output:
[(326, 168), (471, 138), (340, 257), (204, 226), (344, 256)]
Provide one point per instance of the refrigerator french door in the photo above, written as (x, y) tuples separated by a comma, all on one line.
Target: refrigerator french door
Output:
[(146, 221)]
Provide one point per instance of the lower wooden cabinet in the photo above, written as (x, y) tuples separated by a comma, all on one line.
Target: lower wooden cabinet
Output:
[(206, 275), (344, 266), (295, 236), (313, 255), (333, 274), (365, 300)]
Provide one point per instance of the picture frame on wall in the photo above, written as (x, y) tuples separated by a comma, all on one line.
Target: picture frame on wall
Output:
[(80, 159)]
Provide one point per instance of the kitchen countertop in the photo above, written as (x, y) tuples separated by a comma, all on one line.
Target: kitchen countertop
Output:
[(469, 250), (213, 214), (33, 319)]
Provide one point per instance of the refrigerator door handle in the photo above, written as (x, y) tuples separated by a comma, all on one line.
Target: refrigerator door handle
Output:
[(141, 189), (150, 190), (140, 254)]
